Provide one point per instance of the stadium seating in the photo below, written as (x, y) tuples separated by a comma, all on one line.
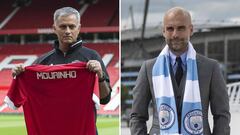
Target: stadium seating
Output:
[(39, 14), (107, 8), (9, 49), (104, 48), (38, 49), (24, 49), (115, 20), (6, 8)]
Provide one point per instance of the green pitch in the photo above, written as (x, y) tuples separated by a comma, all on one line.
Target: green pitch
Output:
[(107, 126), (15, 125)]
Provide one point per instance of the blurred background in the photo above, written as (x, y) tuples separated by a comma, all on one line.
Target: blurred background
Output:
[(216, 35), (26, 33)]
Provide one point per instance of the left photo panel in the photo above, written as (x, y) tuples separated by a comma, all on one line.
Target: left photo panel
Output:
[(59, 67)]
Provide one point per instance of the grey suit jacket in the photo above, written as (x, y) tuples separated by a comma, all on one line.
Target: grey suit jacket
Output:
[(212, 90)]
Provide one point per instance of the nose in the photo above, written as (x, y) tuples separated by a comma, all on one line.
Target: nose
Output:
[(67, 31), (175, 33)]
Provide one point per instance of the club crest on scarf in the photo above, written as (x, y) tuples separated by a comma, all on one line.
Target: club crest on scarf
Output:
[(191, 115), (193, 122), (166, 115)]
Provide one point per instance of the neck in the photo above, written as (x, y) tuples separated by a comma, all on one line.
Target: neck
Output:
[(178, 54), (63, 48)]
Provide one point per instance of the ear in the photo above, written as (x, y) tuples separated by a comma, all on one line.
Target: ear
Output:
[(191, 29), (79, 27), (54, 28), (163, 32)]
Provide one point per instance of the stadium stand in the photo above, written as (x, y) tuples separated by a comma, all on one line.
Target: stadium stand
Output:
[(107, 8), (108, 51), (31, 16), (6, 8), (34, 13), (26, 33), (7, 50), (115, 21)]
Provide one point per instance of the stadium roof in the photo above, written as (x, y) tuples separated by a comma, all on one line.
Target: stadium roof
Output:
[(155, 31)]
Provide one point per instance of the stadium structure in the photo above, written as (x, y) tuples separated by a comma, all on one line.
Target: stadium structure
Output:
[(26, 33), (219, 41)]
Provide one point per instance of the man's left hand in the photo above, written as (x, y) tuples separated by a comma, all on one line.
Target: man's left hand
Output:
[(95, 66)]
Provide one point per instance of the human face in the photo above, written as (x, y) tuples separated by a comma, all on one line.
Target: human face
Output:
[(177, 31), (67, 29)]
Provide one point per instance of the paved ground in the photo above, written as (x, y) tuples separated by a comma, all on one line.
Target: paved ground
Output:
[(235, 122)]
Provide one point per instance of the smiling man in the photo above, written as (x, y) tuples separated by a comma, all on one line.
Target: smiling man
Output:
[(181, 85)]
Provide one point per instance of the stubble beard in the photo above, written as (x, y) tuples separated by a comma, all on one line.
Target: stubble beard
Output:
[(178, 47)]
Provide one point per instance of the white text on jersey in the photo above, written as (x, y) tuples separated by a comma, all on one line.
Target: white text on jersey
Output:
[(56, 75)]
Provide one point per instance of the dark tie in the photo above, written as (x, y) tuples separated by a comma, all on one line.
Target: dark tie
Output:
[(179, 72)]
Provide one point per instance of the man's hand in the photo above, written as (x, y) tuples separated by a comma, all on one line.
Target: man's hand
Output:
[(17, 70), (104, 88), (95, 66)]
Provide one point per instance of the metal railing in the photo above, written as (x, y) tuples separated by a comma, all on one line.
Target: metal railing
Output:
[(234, 96)]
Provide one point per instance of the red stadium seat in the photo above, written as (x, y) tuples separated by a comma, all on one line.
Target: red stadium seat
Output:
[(39, 14), (6, 8), (38, 49)]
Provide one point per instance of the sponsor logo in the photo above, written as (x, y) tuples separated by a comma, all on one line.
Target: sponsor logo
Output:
[(56, 75), (193, 122), (166, 117)]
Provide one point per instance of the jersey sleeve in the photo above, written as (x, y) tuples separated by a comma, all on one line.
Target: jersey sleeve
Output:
[(96, 95), (15, 96)]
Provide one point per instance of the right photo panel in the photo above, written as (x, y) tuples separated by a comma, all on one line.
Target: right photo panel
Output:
[(180, 67)]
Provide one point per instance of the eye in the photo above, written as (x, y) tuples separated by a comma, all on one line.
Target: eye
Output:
[(62, 26), (181, 28), (170, 29), (72, 26)]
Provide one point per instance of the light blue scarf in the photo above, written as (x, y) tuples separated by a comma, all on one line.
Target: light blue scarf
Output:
[(191, 120)]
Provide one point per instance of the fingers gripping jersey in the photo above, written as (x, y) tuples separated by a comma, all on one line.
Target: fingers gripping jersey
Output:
[(57, 100)]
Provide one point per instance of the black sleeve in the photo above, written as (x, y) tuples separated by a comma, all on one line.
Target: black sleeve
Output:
[(106, 99), (42, 59)]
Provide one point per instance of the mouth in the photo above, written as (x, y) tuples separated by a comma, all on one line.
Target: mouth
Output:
[(67, 37), (177, 41)]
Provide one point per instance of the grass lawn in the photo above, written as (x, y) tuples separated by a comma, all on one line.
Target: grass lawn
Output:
[(107, 126), (15, 125)]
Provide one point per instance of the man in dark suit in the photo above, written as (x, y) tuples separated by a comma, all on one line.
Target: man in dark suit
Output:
[(177, 30)]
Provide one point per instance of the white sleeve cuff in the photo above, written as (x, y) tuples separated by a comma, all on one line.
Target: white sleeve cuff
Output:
[(9, 103), (96, 101)]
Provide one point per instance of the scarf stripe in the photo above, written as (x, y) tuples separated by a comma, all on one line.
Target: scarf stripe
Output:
[(191, 120)]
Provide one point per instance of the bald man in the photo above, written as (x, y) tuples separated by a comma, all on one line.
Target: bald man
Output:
[(181, 85)]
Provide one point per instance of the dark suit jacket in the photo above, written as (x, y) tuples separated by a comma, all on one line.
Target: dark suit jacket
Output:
[(212, 90)]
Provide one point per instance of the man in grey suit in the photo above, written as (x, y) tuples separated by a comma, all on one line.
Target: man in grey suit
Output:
[(177, 29)]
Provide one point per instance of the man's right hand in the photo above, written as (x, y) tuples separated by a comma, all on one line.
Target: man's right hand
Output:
[(17, 70)]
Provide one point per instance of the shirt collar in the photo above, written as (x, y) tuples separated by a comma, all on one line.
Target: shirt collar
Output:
[(74, 45), (173, 58)]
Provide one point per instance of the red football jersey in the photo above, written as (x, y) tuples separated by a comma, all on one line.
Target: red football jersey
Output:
[(57, 100)]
